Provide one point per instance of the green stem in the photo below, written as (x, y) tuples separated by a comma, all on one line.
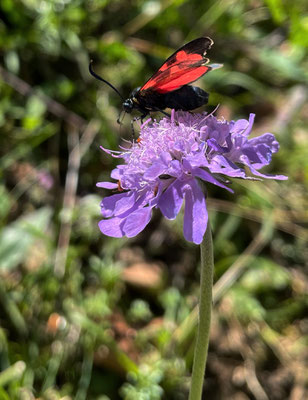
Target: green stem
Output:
[(205, 308)]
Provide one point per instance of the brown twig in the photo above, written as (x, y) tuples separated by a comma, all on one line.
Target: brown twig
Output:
[(53, 106), (251, 378), (292, 357), (238, 336), (76, 151), (69, 199), (292, 105)]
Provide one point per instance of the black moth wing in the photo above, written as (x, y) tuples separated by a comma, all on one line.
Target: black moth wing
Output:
[(186, 98)]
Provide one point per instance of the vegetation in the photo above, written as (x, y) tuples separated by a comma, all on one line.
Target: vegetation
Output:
[(83, 316)]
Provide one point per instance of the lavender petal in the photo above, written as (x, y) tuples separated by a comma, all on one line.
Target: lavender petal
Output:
[(195, 215), (137, 221)]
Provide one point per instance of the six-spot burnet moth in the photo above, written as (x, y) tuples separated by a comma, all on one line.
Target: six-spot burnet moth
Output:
[(169, 86)]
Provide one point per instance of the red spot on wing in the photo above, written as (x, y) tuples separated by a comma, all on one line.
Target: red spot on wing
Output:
[(163, 68), (180, 78), (183, 56)]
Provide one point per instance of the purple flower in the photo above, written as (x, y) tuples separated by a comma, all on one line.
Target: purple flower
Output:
[(168, 161), (45, 179)]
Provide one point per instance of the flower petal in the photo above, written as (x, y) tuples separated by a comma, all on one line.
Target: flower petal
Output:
[(216, 146), (108, 204), (116, 173), (222, 165), (243, 127), (266, 176), (111, 227), (137, 221), (195, 215), (125, 203), (156, 169), (175, 168), (206, 176), (107, 185), (171, 200), (259, 150)]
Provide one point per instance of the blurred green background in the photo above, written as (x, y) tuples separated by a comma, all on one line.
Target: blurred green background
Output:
[(84, 316)]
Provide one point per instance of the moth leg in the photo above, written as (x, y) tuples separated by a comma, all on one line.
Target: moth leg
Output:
[(141, 118), (132, 126), (162, 111), (165, 113)]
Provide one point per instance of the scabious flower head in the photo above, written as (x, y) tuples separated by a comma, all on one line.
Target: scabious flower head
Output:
[(168, 162)]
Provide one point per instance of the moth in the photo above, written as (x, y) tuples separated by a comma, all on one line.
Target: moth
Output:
[(169, 86)]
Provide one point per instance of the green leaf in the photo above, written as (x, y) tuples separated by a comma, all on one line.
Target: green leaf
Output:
[(12, 61), (283, 64), (277, 10), (35, 106), (17, 238), (264, 274), (5, 202), (4, 395), (245, 306)]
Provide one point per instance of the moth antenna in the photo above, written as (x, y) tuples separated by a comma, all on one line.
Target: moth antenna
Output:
[(103, 80)]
